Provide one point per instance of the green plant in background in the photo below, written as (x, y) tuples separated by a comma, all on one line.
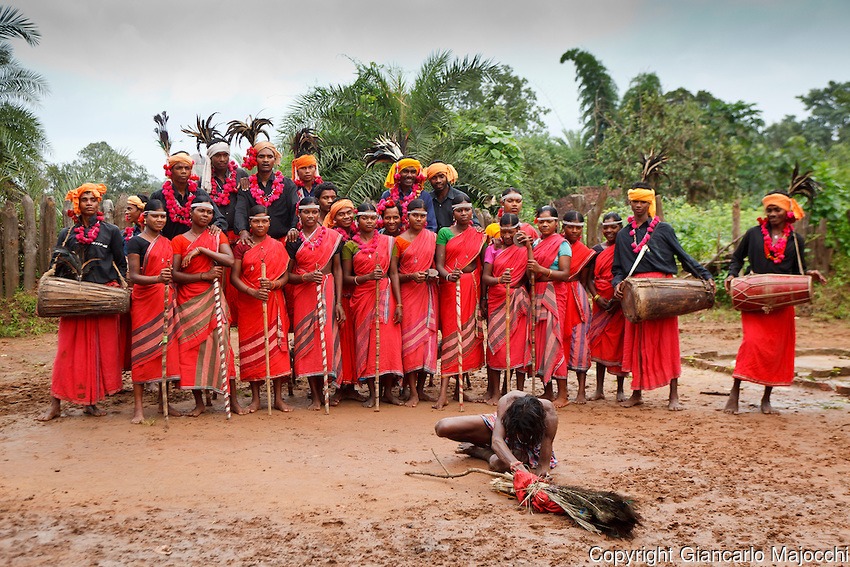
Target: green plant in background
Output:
[(18, 318)]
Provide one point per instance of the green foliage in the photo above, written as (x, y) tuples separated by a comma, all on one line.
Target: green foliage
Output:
[(99, 163), (705, 228), (597, 95), (833, 204), (829, 108), (18, 318)]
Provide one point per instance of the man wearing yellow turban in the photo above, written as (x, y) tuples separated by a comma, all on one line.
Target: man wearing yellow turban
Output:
[(404, 183), (649, 248), (766, 355), (89, 355)]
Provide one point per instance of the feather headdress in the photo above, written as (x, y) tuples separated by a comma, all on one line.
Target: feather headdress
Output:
[(385, 150), (803, 184), (249, 130), (205, 133), (305, 142), (651, 165), (161, 131)]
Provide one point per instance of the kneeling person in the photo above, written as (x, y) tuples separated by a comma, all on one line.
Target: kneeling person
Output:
[(519, 434)]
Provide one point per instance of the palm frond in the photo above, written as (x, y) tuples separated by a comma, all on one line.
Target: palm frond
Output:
[(204, 132), (14, 24)]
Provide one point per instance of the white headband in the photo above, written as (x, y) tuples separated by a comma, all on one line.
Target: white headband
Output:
[(203, 205), (570, 223), (259, 217), (538, 219), (515, 195), (613, 223), (514, 226), (367, 214), (461, 206), (307, 207)]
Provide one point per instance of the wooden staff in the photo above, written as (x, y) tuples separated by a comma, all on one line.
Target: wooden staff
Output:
[(320, 302), (531, 278), (377, 344), (222, 352), (266, 340), (508, 335), (165, 354), (459, 343)]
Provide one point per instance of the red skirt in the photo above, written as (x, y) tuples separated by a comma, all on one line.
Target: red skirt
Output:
[(766, 355), (347, 342), (88, 359)]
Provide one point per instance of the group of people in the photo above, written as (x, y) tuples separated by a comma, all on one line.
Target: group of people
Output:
[(366, 290)]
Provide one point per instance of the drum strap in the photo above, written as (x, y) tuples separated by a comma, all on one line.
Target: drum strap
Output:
[(638, 259), (799, 258)]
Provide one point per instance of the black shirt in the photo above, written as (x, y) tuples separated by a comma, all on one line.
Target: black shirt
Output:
[(664, 248), (172, 228), (138, 245), (281, 211), (107, 248), (443, 209), (752, 247)]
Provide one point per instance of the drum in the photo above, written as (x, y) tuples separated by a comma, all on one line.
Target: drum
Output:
[(61, 297), (766, 292), (645, 299)]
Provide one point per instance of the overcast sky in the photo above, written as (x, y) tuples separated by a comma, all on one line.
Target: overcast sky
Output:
[(113, 64)]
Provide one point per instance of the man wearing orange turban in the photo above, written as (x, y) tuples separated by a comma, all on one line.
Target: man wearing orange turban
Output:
[(766, 355), (404, 183), (649, 249), (441, 176), (89, 355), (305, 174)]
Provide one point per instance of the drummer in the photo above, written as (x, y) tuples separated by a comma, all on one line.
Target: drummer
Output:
[(88, 360), (766, 355), (648, 249)]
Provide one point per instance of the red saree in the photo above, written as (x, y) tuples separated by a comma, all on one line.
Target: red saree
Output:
[(252, 352), (197, 333), (651, 348), (551, 305), (363, 312), (515, 258), (461, 251), (147, 315), (419, 324), (578, 316), (766, 355), (606, 328), (312, 255)]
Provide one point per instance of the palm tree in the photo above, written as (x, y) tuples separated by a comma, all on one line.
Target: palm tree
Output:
[(597, 94), (22, 138), (420, 116)]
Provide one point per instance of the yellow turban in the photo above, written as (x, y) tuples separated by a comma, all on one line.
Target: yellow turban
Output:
[(136, 202), (335, 208), (647, 195), (403, 163), (446, 168), (493, 230), (181, 157), (785, 203), (260, 146), (74, 194)]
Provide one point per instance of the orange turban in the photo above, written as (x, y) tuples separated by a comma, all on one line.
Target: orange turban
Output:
[(260, 146), (335, 208), (181, 157), (136, 202), (647, 195), (304, 161), (403, 163), (785, 203), (446, 168), (493, 230), (74, 194)]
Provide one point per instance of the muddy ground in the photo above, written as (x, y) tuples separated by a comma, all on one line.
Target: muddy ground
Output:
[(305, 488)]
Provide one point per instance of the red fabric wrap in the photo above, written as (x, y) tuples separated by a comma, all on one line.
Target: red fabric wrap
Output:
[(551, 298), (607, 327), (363, 311), (87, 367), (540, 502), (766, 355), (147, 311), (252, 358), (515, 258), (651, 349), (419, 324)]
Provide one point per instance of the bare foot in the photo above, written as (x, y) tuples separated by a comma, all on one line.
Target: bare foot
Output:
[(197, 410), (440, 403), (52, 412), (93, 410), (316, 405), (464, 448), (632, 402), (280, 405), (674, 405), (581, 399), (138, 417), (560, 402), (336, 398), (731, 406), (596, 396), (621, 396), (391, 399), (234, 408), (413, 400), (254, 405), (369, 403), (767, 409), (172, 411), (423, 397)]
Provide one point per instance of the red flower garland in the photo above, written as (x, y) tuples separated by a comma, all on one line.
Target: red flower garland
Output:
[(250, 161), (369, 247), (128, 233), (87, 238), (314, 243), (222, 196), (175, 212), (774, 252), (395, 198), (316, 181), (258, 194), (636, 246)]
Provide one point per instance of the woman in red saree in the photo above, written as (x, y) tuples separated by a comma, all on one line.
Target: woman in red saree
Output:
[(315, 276), (578, 316), (417, 279), (149, 256), (608, 323), (505, 267), (367, 258), (458, 261), (253, 290), (199, 257), (551, 266), (511, 204)]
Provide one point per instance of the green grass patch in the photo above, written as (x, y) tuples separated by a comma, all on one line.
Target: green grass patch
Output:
[(18, 318)]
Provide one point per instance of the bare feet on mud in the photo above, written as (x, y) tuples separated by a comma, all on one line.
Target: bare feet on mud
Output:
[(635, 400), (52, 412), (280, 405), (93, 410)]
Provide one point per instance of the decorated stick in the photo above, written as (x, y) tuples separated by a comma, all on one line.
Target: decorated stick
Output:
[(377, 344), (533, 320), (508, 335), (459, 344), (266, 340), (165, 354), (222, 351), (323, 317)]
